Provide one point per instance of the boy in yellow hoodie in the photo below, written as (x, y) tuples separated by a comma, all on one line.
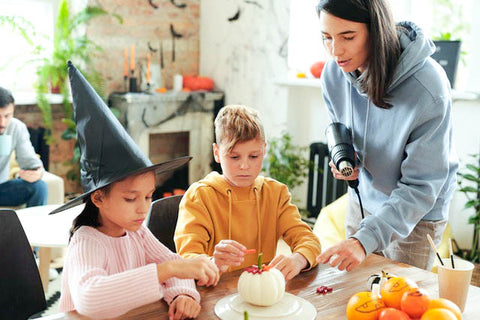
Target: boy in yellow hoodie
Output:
[(221, 216)]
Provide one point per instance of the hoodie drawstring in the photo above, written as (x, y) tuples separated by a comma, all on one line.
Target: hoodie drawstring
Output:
[(229, 192), (259, 238)]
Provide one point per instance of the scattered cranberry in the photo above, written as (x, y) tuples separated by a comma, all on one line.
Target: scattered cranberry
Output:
[(324, 290)]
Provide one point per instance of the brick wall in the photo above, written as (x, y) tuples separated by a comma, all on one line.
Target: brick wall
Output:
[(143, 24)]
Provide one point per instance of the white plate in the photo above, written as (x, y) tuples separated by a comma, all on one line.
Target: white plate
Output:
[(290, 307)]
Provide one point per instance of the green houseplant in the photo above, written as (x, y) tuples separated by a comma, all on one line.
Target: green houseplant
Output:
[(52, 74), (285, 162), (469, 184)]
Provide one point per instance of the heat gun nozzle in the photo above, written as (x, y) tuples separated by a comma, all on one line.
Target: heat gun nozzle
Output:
[(345, 168)]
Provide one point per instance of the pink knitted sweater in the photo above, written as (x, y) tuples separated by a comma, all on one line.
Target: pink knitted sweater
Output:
[(104, 277)]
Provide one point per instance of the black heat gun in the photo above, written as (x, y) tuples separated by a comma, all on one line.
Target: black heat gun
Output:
[(342, 153)]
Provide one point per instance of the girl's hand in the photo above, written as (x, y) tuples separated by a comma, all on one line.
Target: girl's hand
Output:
[(289, 266), (339, 176), (183, 307), (199, 268), (228, 253)]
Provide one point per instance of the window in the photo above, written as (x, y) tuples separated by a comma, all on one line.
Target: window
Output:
[(17, 71), (306, 47)]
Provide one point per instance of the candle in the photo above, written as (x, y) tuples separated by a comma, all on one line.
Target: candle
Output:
[(132, 61), (148, 68), (125, 63)]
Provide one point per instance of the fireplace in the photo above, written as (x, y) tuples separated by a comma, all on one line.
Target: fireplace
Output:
[(171, 125)]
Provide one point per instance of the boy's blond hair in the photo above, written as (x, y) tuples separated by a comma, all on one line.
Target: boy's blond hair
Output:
[(237, 123)]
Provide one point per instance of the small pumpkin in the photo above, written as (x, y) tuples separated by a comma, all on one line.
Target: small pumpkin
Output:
[(197, 83), (393, 289), (317, 68), (378, 278), (364, 306), (261, 285)]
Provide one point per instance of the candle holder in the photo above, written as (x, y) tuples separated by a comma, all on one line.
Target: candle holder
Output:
[(133, 84), (125, 83)]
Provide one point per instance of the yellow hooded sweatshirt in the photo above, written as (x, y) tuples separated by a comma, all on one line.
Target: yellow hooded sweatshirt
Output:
[(257, 217)]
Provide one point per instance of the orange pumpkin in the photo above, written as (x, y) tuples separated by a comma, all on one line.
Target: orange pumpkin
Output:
[(364, 306), (446, 304), (392, 314), (197, 83), (438, 314), (317, 68), (415, 302), (393, 289)]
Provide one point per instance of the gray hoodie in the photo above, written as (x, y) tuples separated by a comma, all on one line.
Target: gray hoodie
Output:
[(408, 162)]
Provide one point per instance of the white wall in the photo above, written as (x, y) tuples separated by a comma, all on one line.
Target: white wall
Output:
[(244, 56), (466, 117)]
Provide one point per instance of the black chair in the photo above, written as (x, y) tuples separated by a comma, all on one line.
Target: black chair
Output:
[(162, 219), (21, 290), (323, 188)]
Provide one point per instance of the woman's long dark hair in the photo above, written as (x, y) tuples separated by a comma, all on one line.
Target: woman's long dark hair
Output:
[(89, 215), (385, 47)]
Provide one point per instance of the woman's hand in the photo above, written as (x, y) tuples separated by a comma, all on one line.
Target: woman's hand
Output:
[(228, 253), (183, 307), (347, 255), (289, 266), (339, 176), (199, 268)]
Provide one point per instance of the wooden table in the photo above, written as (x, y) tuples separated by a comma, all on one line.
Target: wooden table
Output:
[(330, 306), (46, 232)]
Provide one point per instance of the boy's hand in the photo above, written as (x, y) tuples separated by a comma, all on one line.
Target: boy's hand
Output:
[(289, 266), (199, 268), (183, 307), (228, 253)]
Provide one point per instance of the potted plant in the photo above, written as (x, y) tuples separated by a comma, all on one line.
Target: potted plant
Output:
[(448, 30), (52, 73), (287, 163), (469, 183)]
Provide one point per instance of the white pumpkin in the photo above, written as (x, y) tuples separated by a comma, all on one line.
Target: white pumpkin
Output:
[(261, 287)]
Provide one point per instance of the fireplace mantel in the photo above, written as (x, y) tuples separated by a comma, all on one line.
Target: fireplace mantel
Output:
[(145, 114)]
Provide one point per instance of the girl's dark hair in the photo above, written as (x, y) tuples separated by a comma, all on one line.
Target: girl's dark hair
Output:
[(89, 215), (385, 47)]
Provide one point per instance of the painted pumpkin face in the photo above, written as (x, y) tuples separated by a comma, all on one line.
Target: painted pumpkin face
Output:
[(364, 306), (393, 290), (262, 287)]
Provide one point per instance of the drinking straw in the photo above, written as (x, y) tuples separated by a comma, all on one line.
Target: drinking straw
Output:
[(451, 252), (434, 249)]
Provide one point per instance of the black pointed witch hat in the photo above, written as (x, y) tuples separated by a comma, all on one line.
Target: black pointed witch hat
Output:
[(108, 153)]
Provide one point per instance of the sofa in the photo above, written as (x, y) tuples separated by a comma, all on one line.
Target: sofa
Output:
[(56, 189)]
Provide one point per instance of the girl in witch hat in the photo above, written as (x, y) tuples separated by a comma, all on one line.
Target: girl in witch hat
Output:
[(114, 263)]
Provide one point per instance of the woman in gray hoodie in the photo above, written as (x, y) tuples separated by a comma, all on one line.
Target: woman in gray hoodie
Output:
[(395, 99)]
